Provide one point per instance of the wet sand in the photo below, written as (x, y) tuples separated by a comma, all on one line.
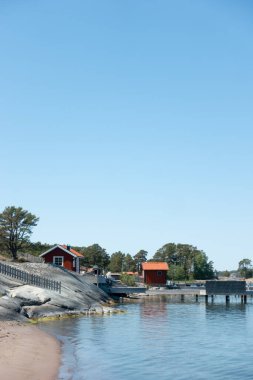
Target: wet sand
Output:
[(27, 353)]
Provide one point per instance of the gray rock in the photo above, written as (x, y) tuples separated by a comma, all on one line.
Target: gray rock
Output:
[(78, 295)]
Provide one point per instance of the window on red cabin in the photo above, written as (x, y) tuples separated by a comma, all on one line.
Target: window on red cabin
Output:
[(159, 273), (58, 260)]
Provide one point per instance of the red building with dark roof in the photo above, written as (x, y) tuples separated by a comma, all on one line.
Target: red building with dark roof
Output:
[(63, 255), (155, 273)]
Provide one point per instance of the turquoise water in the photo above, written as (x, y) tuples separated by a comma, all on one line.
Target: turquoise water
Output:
[(158, 338)]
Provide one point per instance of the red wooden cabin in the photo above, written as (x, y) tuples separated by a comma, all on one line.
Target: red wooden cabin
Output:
[(154, 273), (63, 255)]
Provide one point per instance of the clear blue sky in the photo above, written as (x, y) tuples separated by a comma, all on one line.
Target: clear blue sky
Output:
[(129, 123)]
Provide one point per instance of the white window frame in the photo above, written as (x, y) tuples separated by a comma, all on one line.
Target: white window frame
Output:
[(77, 265), (58, 257)]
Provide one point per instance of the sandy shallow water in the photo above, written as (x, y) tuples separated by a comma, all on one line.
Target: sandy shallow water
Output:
[(27, 353)]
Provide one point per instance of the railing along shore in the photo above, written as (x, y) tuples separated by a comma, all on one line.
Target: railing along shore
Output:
[(30, 279)]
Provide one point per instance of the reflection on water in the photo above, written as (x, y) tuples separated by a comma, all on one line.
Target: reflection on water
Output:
[(154, 309), (159, 338), (226, 309)]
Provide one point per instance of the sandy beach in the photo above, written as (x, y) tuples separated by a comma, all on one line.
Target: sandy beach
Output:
[(27, 353)]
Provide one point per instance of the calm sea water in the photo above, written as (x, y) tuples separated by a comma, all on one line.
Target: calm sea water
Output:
[(159, 338)]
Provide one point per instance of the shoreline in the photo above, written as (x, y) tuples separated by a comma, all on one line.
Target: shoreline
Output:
[(28, 353)]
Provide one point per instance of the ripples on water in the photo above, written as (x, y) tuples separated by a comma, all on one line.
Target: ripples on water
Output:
[(158, 338)]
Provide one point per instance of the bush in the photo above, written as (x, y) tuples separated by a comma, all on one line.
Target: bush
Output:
[(127, 279)]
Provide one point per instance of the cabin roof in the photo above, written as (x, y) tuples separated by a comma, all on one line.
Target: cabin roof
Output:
[(152, 265), (70, 251)]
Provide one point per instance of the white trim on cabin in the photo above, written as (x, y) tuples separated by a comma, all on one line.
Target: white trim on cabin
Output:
[(78, 264), (58, 246)]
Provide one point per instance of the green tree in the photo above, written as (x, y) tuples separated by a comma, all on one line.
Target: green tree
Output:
[(37, 248), (96, 255), (116, 262), (129, 264), (139, 258), (203, 269), (167, 253), (185, 257), (175, 273), (245, 268), (16, 226), (185, 262)]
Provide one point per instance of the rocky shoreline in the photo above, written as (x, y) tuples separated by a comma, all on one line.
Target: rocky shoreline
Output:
[(78, 295), (24, 348)]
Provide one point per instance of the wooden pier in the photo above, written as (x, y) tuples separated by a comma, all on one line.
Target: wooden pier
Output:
[(212, 289), (227, 289)]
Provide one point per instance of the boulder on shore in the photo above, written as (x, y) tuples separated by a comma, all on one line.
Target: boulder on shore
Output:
[(78, 295)]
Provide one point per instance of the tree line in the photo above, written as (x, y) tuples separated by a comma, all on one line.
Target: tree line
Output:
[(185, 261)]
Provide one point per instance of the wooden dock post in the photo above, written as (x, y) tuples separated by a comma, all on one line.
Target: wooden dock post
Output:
[(197, 297), (245, 298), (206, 298), (227, 298), (182, 297)]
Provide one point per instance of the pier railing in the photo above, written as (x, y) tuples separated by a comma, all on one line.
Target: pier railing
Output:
[(30, 279)]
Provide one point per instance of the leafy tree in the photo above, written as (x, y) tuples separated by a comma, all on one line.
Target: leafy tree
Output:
[(121, 262), (16, 226), (116, 262), (37, 248), (185, 257), (96, 255), (167, 253), (139, 258), (175, 273), (129, 263), (185, 262), (245, 268), (203, 270)]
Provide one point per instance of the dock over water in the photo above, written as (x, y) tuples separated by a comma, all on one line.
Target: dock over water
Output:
[(213, 288)]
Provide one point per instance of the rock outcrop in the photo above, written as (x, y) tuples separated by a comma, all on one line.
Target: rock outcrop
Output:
[(78, 295)]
